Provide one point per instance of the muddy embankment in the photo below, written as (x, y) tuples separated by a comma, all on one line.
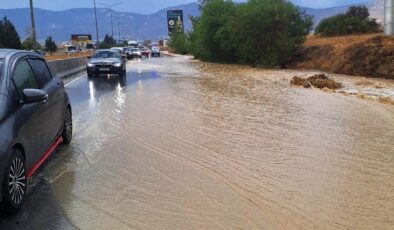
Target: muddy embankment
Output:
[(365, 55)]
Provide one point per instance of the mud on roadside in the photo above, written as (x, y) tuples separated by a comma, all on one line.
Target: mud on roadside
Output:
[(363, 88)]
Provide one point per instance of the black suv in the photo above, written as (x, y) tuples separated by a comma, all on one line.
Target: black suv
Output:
[(35, 116), (108, 61)]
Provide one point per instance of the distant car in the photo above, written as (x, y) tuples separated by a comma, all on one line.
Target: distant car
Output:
[(136, 52), (133, 44), (71, 50), (90, 47), (155, 51), (123, 51), (145, 52), (35, 116), (106, 61), (129, 53)]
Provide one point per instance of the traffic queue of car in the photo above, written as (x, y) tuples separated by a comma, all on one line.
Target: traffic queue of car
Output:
[(36, 114), (113, 61)]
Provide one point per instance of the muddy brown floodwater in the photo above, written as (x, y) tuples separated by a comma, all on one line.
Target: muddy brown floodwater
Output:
[(179, 144)]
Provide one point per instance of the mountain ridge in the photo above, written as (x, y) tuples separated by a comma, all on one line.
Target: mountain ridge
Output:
[(61, 24)]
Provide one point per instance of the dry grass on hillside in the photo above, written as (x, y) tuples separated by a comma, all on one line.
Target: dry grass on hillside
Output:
[(369, 55), (340, 42)]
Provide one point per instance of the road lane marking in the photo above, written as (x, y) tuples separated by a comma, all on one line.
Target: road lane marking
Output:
[(77, 79)]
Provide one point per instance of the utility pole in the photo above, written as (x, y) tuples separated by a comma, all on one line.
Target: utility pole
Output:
[(389, 17), (110, 12), (118, 31), (33, 26), (112, 24), (97, 32)]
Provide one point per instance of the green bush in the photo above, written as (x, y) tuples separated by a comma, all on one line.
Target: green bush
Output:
[(355, 21), (211, 38), (28, 44), (179, 42), (267, 32), (258, 32)]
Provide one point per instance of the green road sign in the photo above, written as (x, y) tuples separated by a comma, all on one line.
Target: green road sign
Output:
[(175, 21)]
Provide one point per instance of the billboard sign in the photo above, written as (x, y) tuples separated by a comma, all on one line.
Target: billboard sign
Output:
[(175, 21), (81, 37)]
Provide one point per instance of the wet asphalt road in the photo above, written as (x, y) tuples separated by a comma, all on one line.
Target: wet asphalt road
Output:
[(178, 144), (41, 209)]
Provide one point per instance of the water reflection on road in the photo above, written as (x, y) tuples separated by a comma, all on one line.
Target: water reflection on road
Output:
[(179, 144)]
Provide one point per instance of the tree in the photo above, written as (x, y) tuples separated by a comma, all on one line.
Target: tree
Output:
[(28, 44), (259, 32), (267, 32), (355, 21), (50, 45), (9, 37), (361, 12), (108, 42), (211, 38), (178, 42)]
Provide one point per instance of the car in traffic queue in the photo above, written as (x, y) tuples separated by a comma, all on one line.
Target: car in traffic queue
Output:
[(136, 52), (129, 53), (123, 51), (71, 50), (106, 61), (35, 117), (155, 51), (145, 52)]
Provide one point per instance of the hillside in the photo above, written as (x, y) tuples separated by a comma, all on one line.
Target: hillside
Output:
[(61, 24), (369, 55)]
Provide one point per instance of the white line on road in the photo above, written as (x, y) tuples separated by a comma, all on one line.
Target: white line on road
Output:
[(75, 80)]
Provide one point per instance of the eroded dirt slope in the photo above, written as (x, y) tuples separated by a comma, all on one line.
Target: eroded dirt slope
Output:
[(365, 55)]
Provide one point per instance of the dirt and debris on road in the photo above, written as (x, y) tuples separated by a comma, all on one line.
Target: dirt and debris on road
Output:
[(320, 81)]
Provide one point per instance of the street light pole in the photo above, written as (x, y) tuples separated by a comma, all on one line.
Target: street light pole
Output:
[(118, 30), (112, 24), (110, 12), (33, 26), (389, 17), (97, 32)]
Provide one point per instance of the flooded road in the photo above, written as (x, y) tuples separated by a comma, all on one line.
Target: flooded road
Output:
[(179, 144)]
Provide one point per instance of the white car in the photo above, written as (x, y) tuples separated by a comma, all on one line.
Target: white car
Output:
[(71, 50), (155, 51), (136, 52)]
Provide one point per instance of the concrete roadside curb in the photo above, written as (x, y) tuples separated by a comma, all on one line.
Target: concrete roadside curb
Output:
[(67, 67)]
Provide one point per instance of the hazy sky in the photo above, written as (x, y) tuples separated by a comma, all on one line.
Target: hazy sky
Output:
[(145, 6)]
